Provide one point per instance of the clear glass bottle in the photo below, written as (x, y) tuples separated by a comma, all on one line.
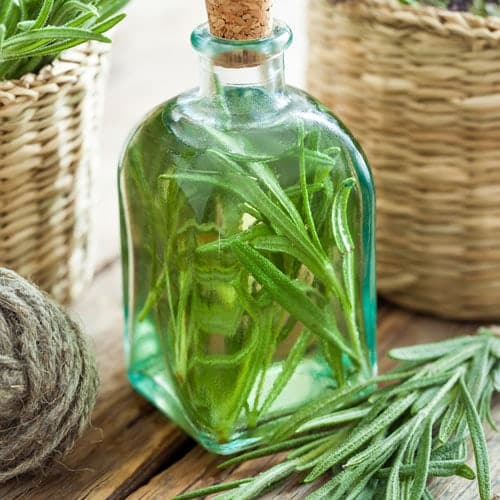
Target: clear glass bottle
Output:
[(247, 216)]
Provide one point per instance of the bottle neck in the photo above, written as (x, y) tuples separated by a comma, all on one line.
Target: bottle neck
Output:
[(228, 65), (220, 73)]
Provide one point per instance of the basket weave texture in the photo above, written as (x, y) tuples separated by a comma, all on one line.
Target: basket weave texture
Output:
[(420, 89), (48, 137)]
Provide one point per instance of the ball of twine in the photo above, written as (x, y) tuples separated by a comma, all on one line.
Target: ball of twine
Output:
[(48, 378)]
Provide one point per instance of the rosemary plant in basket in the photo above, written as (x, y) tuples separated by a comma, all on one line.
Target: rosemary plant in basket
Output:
[(34, 32)]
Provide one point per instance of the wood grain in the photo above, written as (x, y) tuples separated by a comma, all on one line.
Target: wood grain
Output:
[(133, 451)]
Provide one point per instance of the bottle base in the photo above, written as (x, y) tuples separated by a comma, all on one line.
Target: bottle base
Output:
[(154, 383)]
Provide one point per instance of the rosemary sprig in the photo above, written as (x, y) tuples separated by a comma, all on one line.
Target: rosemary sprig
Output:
[(392, 443), (33, 33)]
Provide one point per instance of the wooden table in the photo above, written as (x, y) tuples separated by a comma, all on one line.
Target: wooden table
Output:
[(134, 452)]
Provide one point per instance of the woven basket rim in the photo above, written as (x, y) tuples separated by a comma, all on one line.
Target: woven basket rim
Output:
[(32, 85), (428, 17)]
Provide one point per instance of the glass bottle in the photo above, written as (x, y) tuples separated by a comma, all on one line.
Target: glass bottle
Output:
[(247, 215)]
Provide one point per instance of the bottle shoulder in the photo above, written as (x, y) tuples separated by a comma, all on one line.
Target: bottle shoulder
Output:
[(243, 113), (247, 123), (248, 108)]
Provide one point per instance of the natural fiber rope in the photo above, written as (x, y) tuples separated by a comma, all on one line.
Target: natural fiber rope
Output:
[(48, 378)]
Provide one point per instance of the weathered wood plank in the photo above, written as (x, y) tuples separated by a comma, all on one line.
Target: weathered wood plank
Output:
[(130, 441), (196, 470)]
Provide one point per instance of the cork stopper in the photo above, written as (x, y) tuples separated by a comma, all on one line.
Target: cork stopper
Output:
[(240, 19)]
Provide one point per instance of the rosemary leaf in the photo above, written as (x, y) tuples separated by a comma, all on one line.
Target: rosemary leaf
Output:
[(13, 46), (487, 402), (423, 461), (427, 352), (210, 490), (310, 459), (443, 468), (452, 450), (286, 293), (43, 15), (478, 372), (478, 442), (275, 448), (289, 367), (305, 192), (262, 482), (302, 416), (339, 417), (454, 414), (303, 450)]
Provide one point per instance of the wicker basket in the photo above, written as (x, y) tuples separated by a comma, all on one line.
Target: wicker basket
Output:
[(420, 89), (48, 137)]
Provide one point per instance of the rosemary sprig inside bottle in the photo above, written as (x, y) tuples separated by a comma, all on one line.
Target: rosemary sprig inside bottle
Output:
[(255, 276), (387, 443)]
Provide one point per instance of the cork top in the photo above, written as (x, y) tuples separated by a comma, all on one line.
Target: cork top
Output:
[(240, 19)]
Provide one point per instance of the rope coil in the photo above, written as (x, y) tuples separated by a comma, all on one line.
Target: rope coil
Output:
[(48, 378)]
